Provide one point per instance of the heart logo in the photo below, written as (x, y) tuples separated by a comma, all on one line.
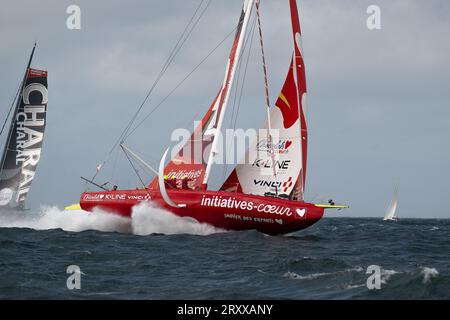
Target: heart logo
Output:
[(301, 212), (279, 221), (288, 144)]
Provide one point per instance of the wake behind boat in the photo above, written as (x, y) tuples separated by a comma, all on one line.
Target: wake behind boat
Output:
[(22, 151), (265, 192)]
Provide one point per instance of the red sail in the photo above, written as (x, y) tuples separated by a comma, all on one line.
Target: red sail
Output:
[(190, 160), (301, 85)]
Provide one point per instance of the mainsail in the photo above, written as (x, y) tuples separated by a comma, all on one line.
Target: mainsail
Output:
[(289, 138), (390, 212), (196, 157), (22, 150)]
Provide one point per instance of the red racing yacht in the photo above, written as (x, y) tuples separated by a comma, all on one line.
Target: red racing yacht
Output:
[(266, 191)]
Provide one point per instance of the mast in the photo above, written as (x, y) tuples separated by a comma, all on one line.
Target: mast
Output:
[(228, 83), (266, 84), (19, 98), (300, 82)]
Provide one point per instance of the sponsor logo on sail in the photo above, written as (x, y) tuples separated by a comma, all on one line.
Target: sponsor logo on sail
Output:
[(29, 123), (281, 147), (268, 164), (190, 174), (284, 186)]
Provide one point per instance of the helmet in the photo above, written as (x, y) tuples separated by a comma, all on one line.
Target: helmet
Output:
[(165, 177)]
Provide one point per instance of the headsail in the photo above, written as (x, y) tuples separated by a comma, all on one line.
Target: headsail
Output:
[(24, 142), (195, 158), (289, 132), (189, 161)]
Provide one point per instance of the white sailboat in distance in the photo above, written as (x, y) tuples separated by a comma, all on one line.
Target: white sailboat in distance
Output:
[(390, 214)]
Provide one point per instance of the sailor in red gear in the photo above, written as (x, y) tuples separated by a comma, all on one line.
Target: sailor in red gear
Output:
[(185, 183), (173, 183)]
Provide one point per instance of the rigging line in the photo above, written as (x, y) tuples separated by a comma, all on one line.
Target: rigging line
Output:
[(11, 127), (175, 53), (266, 83), (241, 91), (113, 171), (166, 65), (245, 73), (178, 85), (11, 108), (246, 42), (136, 172), (169, 60)]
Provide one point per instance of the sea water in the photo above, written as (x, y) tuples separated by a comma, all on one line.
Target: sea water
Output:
[(156, 255)]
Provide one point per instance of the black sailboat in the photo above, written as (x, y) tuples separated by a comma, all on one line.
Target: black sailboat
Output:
[(22, 151)]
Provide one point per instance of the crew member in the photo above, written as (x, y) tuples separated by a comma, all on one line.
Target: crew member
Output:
[(114, 188), (185, 183), (166, 182), (173, 183)]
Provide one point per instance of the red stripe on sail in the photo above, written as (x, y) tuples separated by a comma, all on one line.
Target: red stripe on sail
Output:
[(301, 84)]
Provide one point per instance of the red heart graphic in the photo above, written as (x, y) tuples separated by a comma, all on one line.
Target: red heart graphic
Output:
[(288, 144)]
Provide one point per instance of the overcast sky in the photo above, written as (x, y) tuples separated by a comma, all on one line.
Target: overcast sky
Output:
[(379, 111)]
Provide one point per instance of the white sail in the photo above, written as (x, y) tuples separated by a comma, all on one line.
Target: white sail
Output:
[(390, 212)]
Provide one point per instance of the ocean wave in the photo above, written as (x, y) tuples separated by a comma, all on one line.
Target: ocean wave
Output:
[(314, 276), (354, 286), (49, 218), (428, 274), (146, 220), (387, 274), (296, 276)]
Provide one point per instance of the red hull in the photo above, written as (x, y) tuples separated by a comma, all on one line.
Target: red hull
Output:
[(224, 210)]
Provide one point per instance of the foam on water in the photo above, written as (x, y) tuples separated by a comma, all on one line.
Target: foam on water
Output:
[(148, 220), (428, 274), (145, 220), (387, 274), (313, 276), (74, 221)]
